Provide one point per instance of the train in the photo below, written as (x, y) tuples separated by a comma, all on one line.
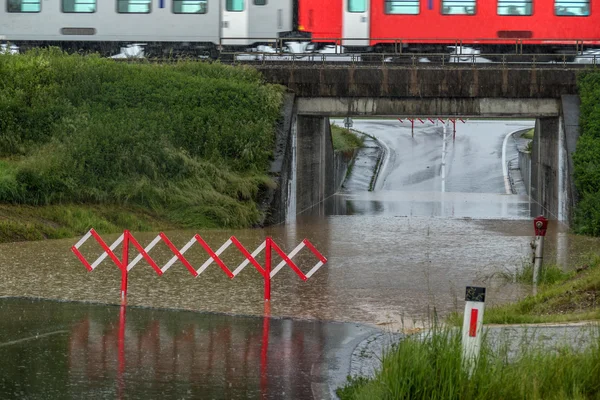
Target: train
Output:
[(207, 27)]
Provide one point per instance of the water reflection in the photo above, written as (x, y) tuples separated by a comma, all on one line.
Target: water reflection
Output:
[(105, 353)]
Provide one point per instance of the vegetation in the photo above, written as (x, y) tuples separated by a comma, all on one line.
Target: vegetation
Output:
[(431, 368), (587, 156), (188, 143), (344, 139)]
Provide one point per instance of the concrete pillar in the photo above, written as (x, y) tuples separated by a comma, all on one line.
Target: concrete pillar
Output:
[(314, 164)]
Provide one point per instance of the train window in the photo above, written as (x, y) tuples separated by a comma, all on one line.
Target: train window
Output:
[(402, 7), (234, 5), (458, 7), (133, 6), (79, 6), (574, 8), (24, 6), (515, 7), (190, 6), (260, 2), (357, 6)]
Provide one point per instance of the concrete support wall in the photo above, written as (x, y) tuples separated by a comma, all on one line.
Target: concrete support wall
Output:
[(552, 183), (544, 169), (525, 167), (275, 201), (315, 177)]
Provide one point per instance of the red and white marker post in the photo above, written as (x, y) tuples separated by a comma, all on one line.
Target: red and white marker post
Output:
[(472, 326)]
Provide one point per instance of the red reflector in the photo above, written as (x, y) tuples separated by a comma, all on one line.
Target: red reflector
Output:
[(473, 326)]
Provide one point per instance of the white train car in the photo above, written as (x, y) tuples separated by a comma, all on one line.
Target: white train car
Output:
[(193, 25)]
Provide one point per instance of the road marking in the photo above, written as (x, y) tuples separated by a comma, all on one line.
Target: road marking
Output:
[(32, 338)]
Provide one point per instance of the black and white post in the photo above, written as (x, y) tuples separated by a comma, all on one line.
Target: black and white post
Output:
[(472, 326)]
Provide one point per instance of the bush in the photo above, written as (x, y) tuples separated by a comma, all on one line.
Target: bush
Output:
[(82, 129), (587, 156)]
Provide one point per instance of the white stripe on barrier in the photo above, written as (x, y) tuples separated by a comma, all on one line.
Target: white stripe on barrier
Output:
[(83, 239), (218, 253), (183, 250), (314, 269), (282, 263), (147, 249), (247, 261), (105, 254)]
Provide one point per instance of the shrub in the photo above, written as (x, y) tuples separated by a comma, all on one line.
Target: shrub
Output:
[(82, 129)]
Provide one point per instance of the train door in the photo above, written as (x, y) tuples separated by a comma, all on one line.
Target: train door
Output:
[(234, 22), (355, 23)]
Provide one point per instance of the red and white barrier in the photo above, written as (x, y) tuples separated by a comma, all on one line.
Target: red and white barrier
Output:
[(472, 325), (214, 256)]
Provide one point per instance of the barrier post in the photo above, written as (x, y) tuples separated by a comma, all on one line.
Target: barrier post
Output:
[(124, 265), (268, 269), (472, 326), (541, 225)]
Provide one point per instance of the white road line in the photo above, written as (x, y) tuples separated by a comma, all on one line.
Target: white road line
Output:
[(32, 338)]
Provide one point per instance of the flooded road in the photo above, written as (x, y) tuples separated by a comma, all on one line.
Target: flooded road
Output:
[(83, 351), (395, 254)]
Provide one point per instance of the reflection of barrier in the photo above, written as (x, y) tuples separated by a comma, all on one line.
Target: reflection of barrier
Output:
[(266, 271)]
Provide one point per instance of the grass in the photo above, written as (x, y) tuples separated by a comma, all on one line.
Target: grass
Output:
[(344, 139), (431, 368), (561, 297), (528, 134), (189, 143), (26, 223)]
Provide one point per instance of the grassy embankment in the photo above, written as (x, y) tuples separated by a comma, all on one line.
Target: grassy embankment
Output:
[(87, 142), (344, 139)]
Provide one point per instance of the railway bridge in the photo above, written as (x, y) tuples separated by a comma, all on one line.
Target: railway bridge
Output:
[(544, 92)]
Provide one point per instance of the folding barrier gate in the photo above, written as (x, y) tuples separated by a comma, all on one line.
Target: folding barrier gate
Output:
[(214, 256)]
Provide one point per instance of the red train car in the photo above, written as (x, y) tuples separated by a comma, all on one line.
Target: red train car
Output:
[(433, 24)]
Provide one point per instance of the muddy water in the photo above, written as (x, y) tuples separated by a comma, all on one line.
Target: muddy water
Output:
[(394, 255)]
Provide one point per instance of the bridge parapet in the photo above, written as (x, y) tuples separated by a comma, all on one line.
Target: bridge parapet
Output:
[(423, 82)]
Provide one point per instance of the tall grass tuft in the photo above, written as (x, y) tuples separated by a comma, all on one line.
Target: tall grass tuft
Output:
[(430, 367), (189, 141)]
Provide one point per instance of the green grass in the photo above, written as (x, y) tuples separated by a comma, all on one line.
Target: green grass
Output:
[(344, 139), (188, 142), (561, 297), (431, 368), (528, 134)]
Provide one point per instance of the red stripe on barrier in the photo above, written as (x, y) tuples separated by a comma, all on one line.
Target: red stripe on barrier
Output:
[(85, 263), (473, 324), (400, 120), (214, 256), (442, 121), (314, 250), (178, 254), (288, 261), (421, 120), (430, 120), (107, 249), (247, 254), (145, 255), (461, 120)]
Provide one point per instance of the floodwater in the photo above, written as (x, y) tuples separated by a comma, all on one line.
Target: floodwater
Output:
[(397, 256), (394, 255), (84, 351)]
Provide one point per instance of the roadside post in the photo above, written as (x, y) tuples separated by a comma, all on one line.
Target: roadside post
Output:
[(472, 326), (541, 225)]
